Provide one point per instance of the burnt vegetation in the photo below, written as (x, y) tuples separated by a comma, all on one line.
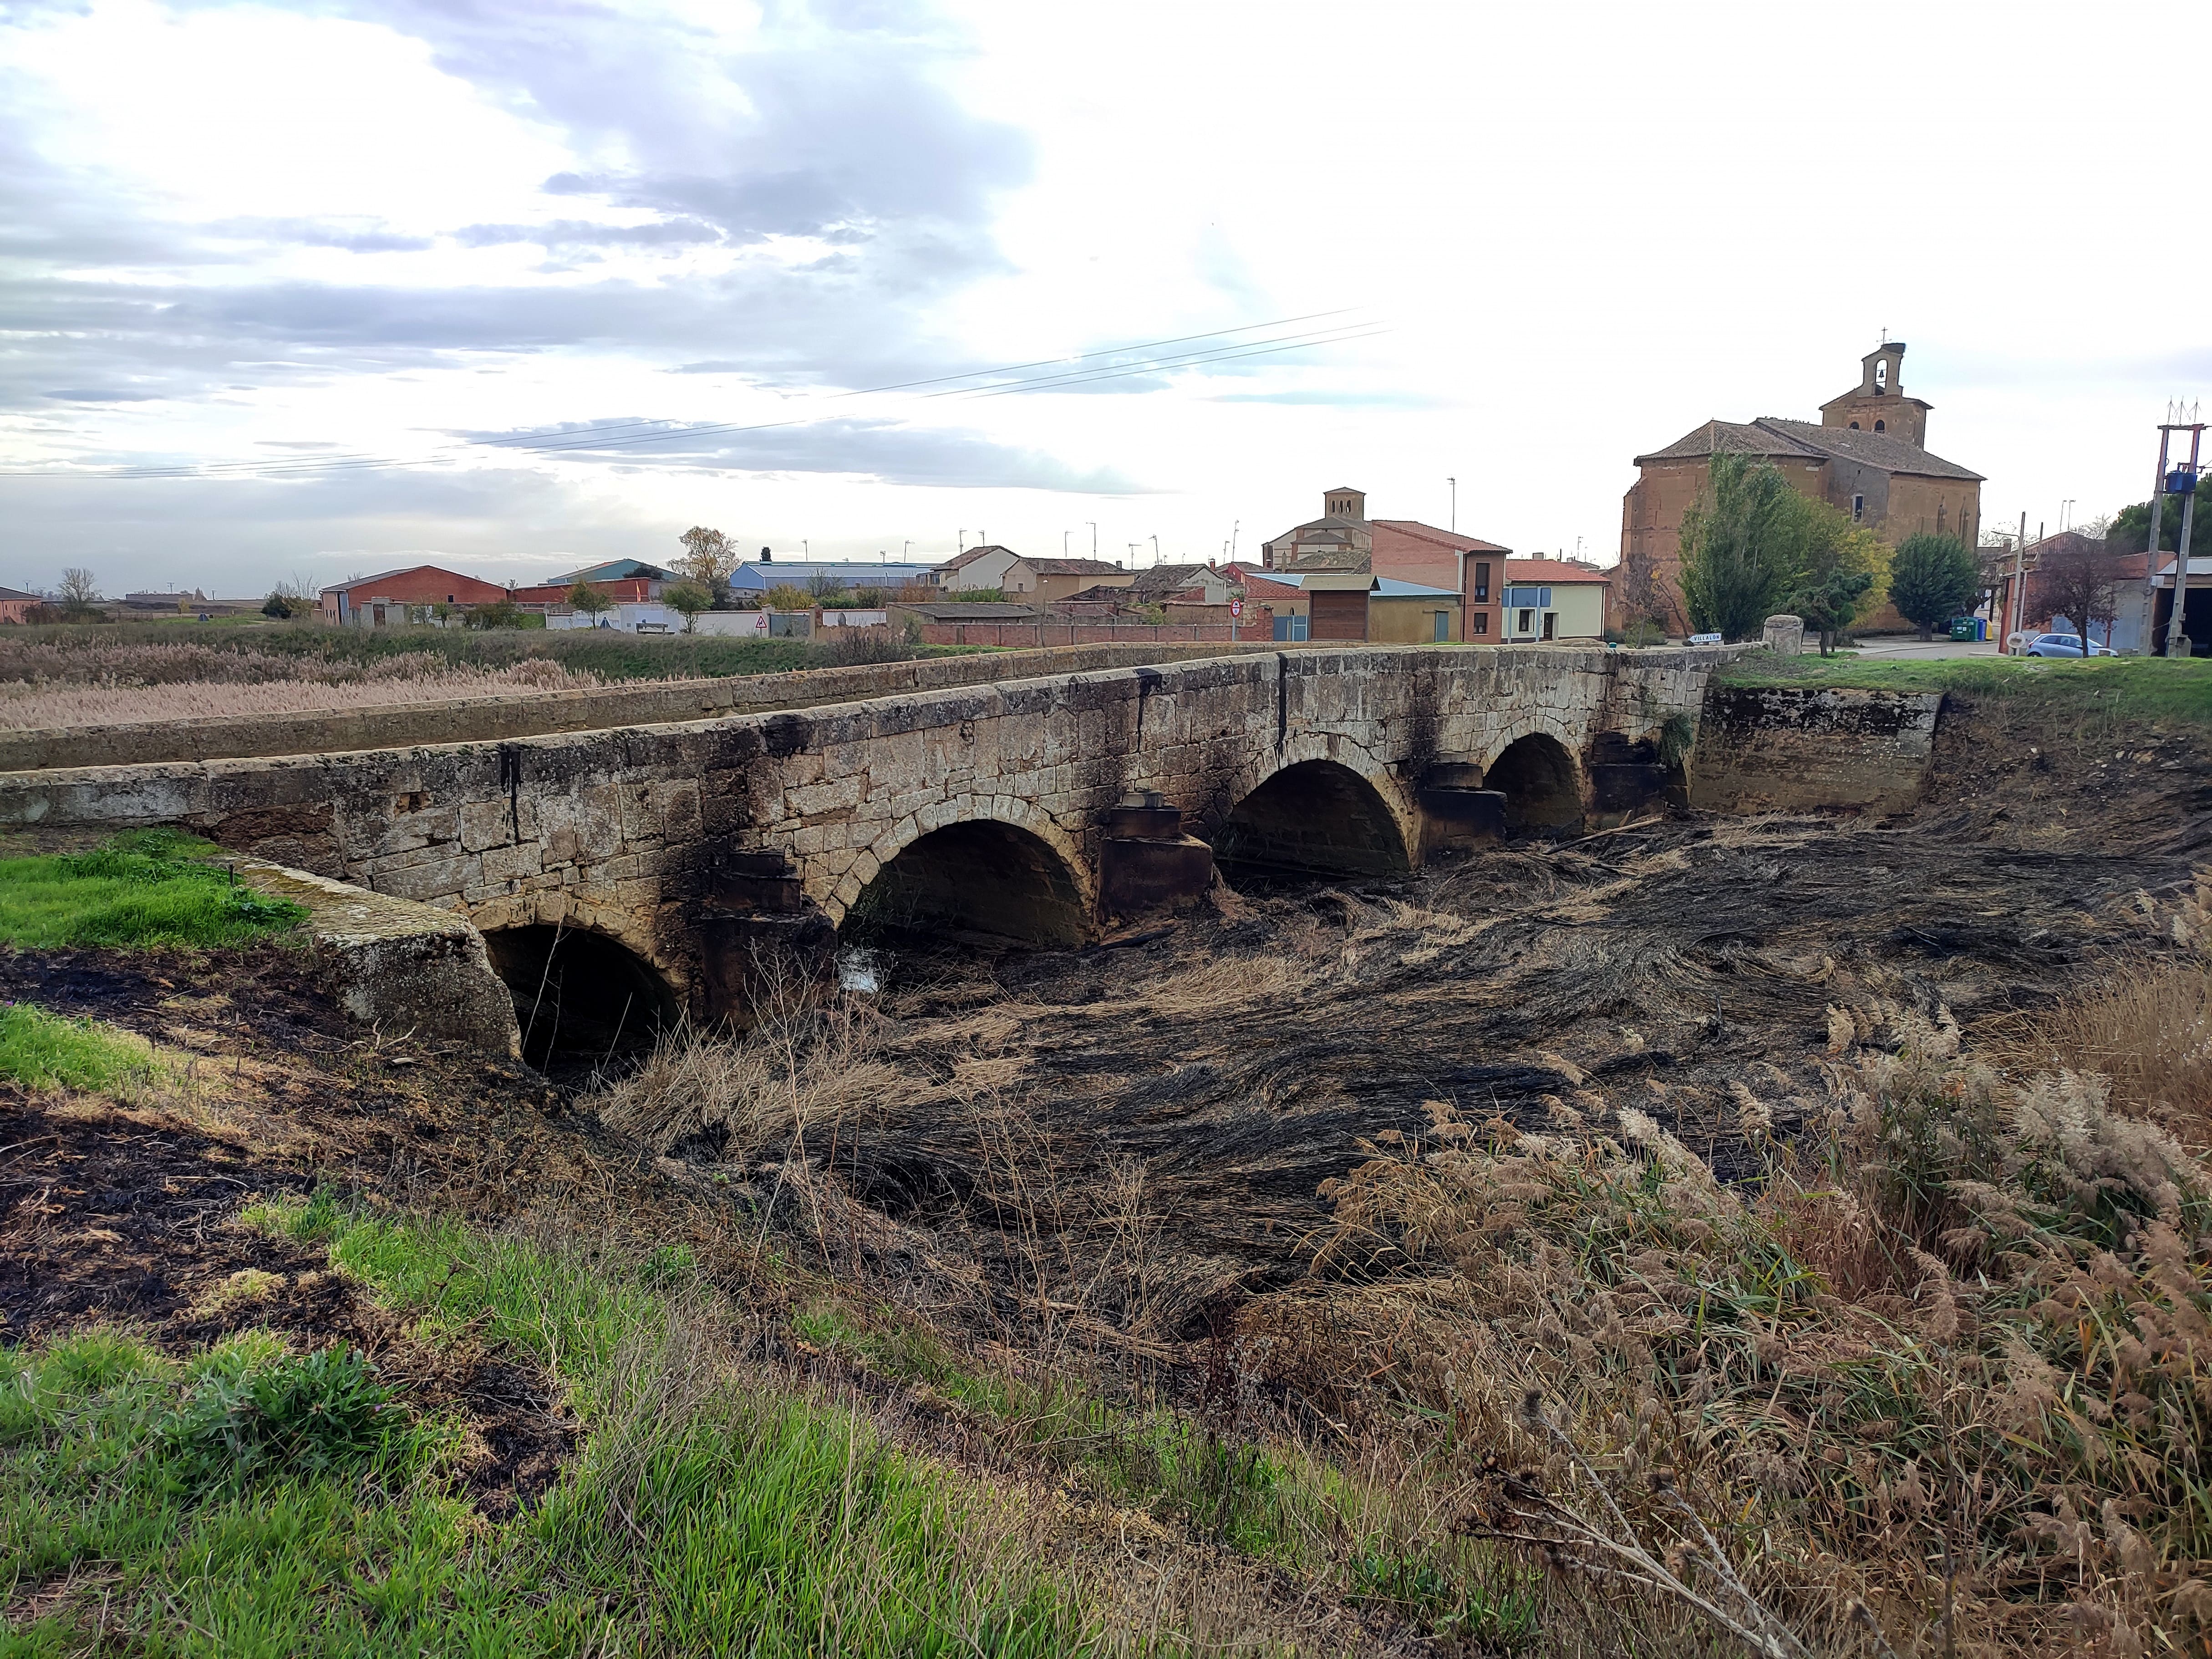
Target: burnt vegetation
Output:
[(1781, 1235)]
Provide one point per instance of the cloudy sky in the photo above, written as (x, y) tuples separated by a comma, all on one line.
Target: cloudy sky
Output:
[(310, 290)]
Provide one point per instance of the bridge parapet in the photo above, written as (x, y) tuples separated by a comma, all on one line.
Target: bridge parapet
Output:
[(688, 842)]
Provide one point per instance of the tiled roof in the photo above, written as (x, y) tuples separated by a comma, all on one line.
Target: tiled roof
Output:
[(1558, 573), (1335, 523), (1074, 567), (1266, 588), (1429, 532), (1874, 448), (15, 593), (1167, 578), (1772, 437), (961, 561), (403, 570), (1730, 438)]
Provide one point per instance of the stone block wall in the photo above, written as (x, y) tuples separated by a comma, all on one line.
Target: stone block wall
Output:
[(647, 834), (1780, 748)]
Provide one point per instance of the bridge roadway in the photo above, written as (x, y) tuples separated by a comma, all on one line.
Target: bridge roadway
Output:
[(1046, 809)]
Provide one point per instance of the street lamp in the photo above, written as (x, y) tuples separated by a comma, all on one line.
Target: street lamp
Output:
[(1454, 482), (1093, 523)]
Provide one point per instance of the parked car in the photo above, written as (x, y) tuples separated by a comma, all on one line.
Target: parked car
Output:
[(2064, 645)]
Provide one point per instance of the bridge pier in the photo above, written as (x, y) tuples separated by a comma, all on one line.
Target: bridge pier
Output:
[(1147, 867)]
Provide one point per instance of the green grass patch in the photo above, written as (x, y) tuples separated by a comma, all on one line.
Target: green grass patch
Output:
[(144, 887), (253, 1502), (41, 1050), (2138, 690)]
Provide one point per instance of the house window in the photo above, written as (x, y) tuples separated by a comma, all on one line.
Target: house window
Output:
[(1882, 426), (1858, 509), (1481, 592), (1524, 622), (1478, 622)]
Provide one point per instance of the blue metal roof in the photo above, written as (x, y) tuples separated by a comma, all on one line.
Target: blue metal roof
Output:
[(1389, 587)]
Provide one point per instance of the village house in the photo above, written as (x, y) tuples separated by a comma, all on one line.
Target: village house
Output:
[(982, 566), (1866, 457), (1345, 539), (1044, 581), (15, 605), (1539, 600)]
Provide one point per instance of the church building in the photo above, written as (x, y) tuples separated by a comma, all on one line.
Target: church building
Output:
[(1868, 457)]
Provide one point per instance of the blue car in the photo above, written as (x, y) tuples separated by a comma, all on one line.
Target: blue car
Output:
[(2063, 645)]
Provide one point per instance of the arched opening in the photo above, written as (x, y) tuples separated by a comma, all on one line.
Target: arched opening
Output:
[(1536, 776), (581, 999), (1316, 818), (983, 880)]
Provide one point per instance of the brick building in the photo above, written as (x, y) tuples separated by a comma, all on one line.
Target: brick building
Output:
[(1866, 457), (383, 600), (1344, 538)]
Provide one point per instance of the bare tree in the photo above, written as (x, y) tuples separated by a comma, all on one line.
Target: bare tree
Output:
[(2080, 579), (79, 593)]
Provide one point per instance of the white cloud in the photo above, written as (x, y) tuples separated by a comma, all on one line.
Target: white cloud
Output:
[(1588, 226)]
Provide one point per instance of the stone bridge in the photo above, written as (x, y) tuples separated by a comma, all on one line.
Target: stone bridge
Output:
[(654, 863)]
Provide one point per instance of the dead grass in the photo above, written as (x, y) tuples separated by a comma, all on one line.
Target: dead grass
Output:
[(122, 684)]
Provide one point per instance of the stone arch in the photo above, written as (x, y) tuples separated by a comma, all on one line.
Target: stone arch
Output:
[(582, 996), (1319, 816), (984, 876), (1542, 784)]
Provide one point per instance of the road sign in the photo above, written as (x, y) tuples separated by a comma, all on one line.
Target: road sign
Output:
[(1236, 607)]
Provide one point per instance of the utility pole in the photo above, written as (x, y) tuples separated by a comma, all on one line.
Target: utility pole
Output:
[(2018, 609), (1454, 482), (1064, 535), (2177, 640), (1156, 552), (1235, 526)]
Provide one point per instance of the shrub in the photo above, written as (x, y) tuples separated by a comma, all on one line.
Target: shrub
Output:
[(301, 1416), (1931, 579)]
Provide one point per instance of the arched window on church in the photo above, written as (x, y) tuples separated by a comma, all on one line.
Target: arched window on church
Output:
[(1882, 426), (1855, 426)]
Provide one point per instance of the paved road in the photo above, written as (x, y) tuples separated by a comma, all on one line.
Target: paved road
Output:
[(1910, 649)]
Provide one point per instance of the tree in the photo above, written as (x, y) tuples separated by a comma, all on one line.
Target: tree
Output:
[(2081, 580), (1843, 568), (784, 597), (2129, 527), (501, 613), (822, 585), (707, 555), (588, 599), (78, 596), (1740, 547), (688, 600), (1931, 579)]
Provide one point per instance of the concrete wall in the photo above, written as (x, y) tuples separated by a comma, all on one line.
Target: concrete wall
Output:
[(659, 837), (1778, 747), (533, 714)]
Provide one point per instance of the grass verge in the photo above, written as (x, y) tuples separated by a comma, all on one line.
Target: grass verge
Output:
[(2135, 689), (145, 887), (41, 1050), (703, 1516)]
